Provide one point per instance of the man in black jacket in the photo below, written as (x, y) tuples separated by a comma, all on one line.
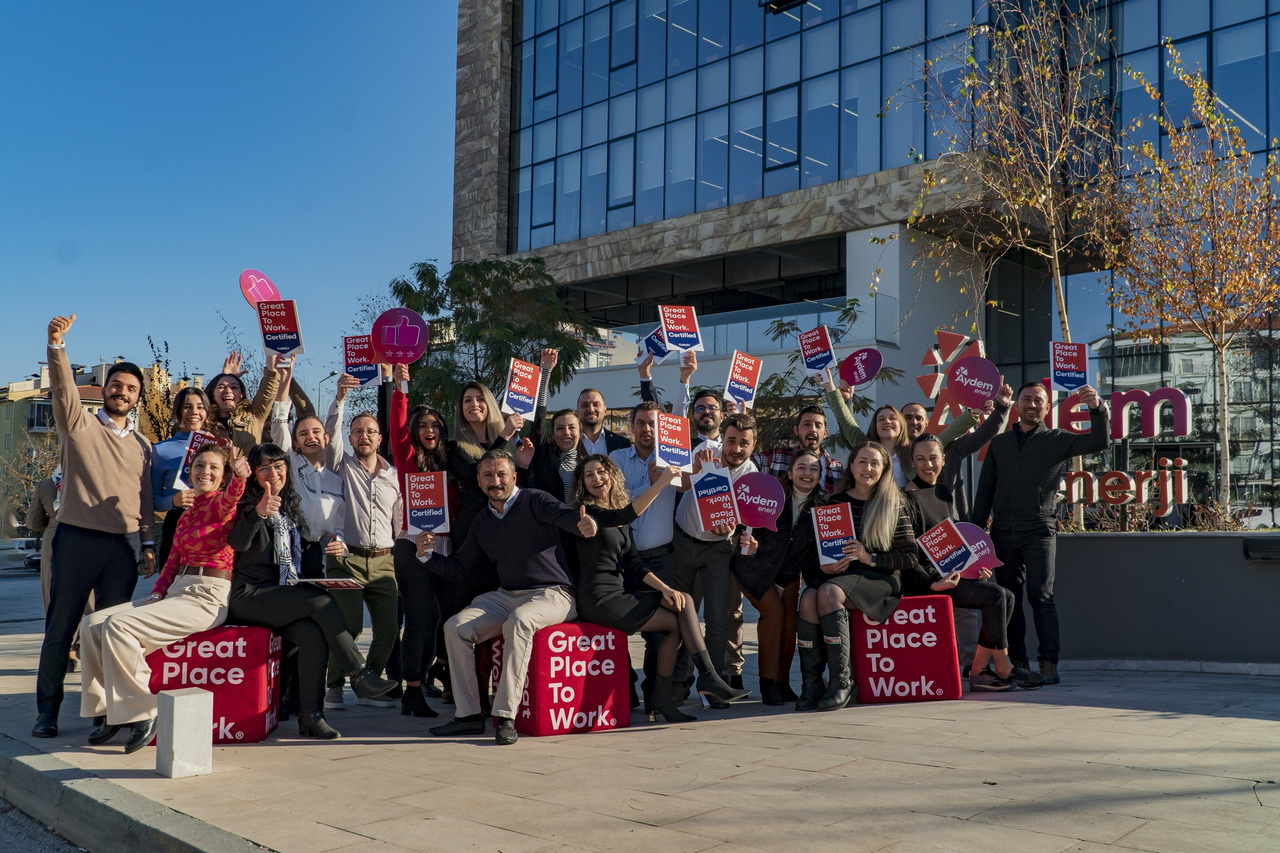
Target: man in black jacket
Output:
[(1018, 492)]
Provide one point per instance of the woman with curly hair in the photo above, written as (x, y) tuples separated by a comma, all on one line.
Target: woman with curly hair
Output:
[(233, 414), (867, 578), (267, 537), (610, 556)]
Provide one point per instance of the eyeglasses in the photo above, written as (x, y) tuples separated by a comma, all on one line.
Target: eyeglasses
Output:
[(364, 432), (277, 467), (704, 409)]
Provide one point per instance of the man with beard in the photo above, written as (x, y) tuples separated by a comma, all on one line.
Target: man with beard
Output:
[(372, 518), (519, 534), (1018, 492), (702, 557), (595, 438), (810, 430), (105, 519)]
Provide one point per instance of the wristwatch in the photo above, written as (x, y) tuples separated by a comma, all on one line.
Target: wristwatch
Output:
[(874, 558)]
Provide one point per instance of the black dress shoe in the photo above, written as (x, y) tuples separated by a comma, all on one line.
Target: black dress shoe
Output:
[(46, 726), (506, 732), (472, 725), (103, 733), (141, 735)]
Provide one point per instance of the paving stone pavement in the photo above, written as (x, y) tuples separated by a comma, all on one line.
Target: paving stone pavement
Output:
[(1164, 762)]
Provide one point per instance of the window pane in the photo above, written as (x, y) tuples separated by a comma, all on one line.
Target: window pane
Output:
[(570, 134), (682, 96), (570, 83), (1239, 67), (713, 30), (904, 122), (782, 130), (622, 217), (526, 52), (595, 124), (544, 196), (1179, 18), (713, 159), (1177, 96), (570, 9), (622, 116), (947, 16), (820, 165), (681, 145), (652, 54), (547, 14), (522, 148), (747, 26), (713, 85), (624, 33), (859, 127), (782, 63), (682, 35), (544, 108), (595, 166), (539, 237), (653, 105), (821, 49), (746, 151), (568, 197), (1136, 24), (1134, 101), (521, 183), (622, 171), (747, 75), (903, 23), (1226, 12), (778, 26), (622, 79), (817, 11), (595, 83), (650, 174), (861, 36), (545, 79), (544, 141)]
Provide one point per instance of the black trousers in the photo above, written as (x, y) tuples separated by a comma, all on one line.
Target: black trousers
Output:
[(1028, 558), (306, 616), (996, 604), (167, 529), (417, 586), (84, 561)]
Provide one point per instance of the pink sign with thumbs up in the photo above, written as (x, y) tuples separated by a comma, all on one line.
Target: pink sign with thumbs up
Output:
[(256, 288), (400, 336)]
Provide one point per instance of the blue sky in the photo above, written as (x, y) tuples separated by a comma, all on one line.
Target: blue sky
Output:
[(150, 151)]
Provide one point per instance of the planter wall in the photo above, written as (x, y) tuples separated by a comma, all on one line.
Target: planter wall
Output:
[(1177, 597)]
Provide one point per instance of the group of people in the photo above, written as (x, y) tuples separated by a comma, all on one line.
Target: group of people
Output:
[(571, 521)]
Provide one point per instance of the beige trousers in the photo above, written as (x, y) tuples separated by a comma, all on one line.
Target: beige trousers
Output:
[(516, 615), (114, 644)]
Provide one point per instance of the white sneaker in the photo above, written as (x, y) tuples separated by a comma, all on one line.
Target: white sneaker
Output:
[(333, 699), (378, 702)]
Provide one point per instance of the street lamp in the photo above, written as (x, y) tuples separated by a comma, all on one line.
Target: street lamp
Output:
[(320, 389)]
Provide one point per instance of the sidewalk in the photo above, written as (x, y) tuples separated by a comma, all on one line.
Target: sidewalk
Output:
[(1105, 761)]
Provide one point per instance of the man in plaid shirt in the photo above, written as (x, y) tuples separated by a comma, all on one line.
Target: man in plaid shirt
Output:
[(811, 430)]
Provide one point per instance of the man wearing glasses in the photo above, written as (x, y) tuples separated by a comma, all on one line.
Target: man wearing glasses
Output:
[(371, 519)]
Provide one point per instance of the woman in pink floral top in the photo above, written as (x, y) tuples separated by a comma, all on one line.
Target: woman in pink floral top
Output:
[(189, 596)]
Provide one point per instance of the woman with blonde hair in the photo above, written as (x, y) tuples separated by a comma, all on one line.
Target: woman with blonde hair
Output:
[(866, 578), (606, 559), (889, 427)]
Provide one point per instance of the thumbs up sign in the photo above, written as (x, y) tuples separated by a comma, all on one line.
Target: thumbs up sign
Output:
[(269, 505), (587, 526)]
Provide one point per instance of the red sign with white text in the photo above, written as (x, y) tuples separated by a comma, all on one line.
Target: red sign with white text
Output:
[(197, 442), (577, 680), (833, 526), (280, 330), (674, 443), (523, 379), (239, 664), (680, 327), (359, 359), (744, 378), (945, 547), (816, 350), (713, 493), (911, 657), (427, 502)]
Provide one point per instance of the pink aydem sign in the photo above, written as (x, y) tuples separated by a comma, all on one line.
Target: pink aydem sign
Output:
[(973, 381), (984, 552), (861, 366)]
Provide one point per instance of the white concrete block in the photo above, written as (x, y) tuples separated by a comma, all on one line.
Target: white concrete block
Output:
[(184, 733)]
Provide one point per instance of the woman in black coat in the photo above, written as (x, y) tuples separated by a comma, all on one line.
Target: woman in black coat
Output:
[(608, 557), (771, 578)]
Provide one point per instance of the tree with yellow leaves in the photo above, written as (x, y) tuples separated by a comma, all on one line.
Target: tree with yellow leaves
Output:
[(1202, 239)]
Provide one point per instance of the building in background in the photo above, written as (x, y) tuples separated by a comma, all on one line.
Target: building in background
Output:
[(708, 152)]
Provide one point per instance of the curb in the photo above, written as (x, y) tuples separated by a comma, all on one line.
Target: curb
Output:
[(99, 815)]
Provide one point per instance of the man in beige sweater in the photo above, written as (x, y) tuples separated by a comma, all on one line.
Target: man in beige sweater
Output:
[(105, 517)]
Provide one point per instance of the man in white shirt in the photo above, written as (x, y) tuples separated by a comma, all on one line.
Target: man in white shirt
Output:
[(591, 414)]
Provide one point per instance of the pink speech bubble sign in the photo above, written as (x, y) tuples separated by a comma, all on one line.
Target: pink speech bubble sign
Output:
[(760, 499), (973, 381), (980, 544), (400, 336), (861, 366), (256, 288)]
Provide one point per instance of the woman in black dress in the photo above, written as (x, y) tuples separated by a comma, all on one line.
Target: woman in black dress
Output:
[(867, 578), (771, 578), (267, 537), (599, 487)]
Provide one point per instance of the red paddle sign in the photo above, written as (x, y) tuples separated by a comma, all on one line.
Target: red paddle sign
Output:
[(400, 336), (256, 288)]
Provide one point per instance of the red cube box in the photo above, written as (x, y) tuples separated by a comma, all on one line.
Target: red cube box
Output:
[(579, 675), (239, 665), (911, 657)]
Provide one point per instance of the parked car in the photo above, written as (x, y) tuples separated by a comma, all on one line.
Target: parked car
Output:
[(14, 552), (33, 561)]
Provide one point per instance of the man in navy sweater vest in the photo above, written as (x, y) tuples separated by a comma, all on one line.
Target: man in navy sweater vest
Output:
[(519, 534)]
